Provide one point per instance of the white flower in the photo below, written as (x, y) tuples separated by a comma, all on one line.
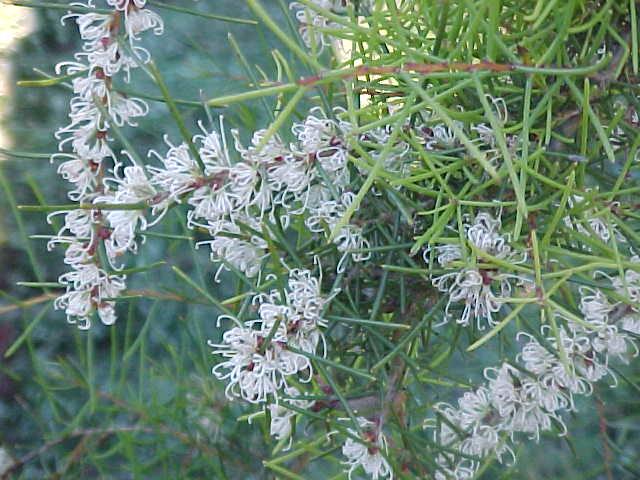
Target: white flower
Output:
[(445, 254), (550, 399), (460, 471), (605, 336), (88, 287), (88, 141), (90, 85), (285, 172), (180, 174), (93, 27), (78, 171), (310, 20), (131, 186), (282, 417), (250, 375), (258, 353), (245, 254), (247, 187), (530, 399), (485, 134), (306, 305), (631, 323), (322, 140), (367, 452), (446, 433), (83, 112), (396, 158), (99, 31), (274, 315), (536, 359), (253, 371), (590, 222), (76, 252), (79, 223), (583, 360), (324, 216), (290, 175), (483, 440), (273, 150), (474, 407), (227, 190), (107, 55), (123, 109), (473, 287), (211, 202), (140, 20), (629, 285), (524, 404), (124, 5), (487, 137), (595, 306), (304, 296), (502, 391), (213, 199), (439, 136), (484, 234), (483, 290), (478, 416), (213, 150)]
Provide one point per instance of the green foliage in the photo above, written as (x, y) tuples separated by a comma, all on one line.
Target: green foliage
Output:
[(137, 400)]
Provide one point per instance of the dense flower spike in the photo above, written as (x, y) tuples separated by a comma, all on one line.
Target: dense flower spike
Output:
[(271, 184), (94, 108)]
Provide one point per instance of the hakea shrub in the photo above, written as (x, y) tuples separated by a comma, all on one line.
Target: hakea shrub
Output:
[(434, 185)]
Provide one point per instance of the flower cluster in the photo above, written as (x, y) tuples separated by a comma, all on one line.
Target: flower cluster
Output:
[(529, 397), (271, 183), (229, 198), (627, 287), (110, 48), (480, 286), (263, 355), (312, 21), (367, 450), (590, 222), (283, 418)]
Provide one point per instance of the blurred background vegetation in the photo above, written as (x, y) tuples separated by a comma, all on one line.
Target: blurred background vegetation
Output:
[(137, 400)]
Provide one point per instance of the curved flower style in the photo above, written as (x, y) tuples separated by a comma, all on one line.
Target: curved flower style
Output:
[(366, 453), (262, 353), (93, 110), (531, 398), (481, 287)]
